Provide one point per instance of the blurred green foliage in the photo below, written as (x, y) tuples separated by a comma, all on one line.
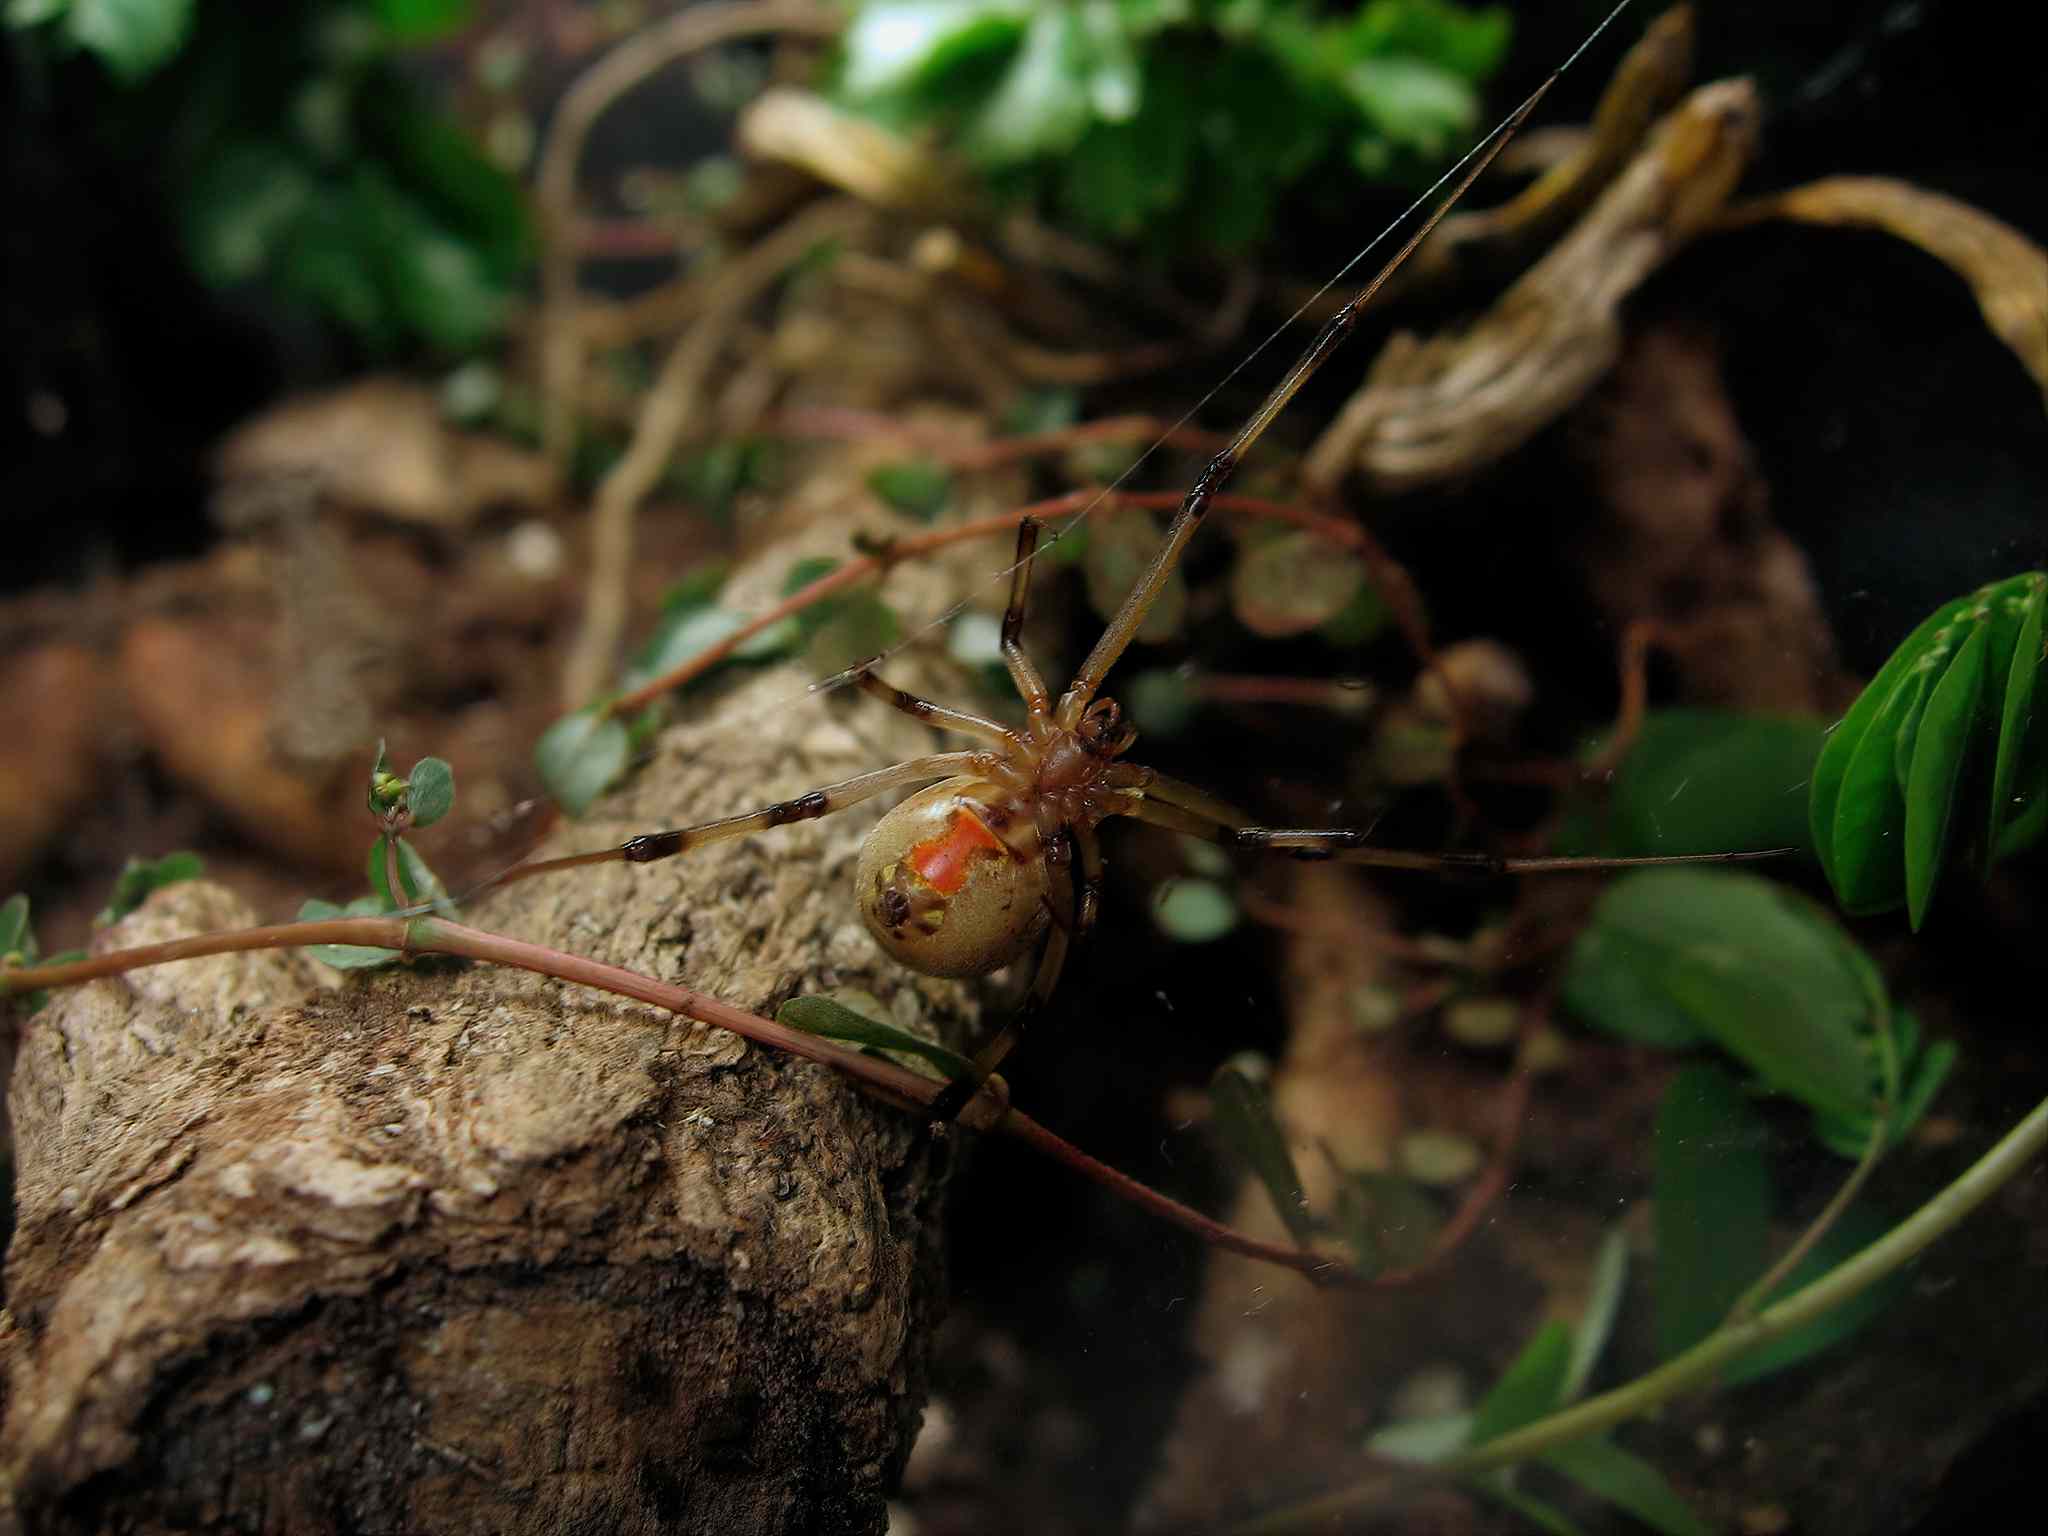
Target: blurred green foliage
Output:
[(1174, 119), (296, 153)]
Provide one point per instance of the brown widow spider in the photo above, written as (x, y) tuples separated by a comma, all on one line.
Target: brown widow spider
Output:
[(965, 875)]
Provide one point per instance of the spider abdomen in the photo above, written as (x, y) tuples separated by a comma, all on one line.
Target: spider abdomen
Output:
[(952, 882)]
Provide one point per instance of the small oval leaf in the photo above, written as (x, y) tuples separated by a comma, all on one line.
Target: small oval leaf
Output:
[(1121, 545), (1293, 584), (579, 757), (347, 957), (1193, 911), (432, 794)]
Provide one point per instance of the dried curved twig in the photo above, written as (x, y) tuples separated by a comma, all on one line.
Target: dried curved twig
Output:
[(689, 31)]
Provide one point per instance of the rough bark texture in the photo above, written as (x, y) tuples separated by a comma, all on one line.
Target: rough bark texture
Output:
[(452, 1248)]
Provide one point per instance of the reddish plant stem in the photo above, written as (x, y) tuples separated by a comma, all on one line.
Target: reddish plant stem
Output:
[(841, 424), (1514, 1109), (894, 1084), (858, 569), (1307, 692), (1636, 641)]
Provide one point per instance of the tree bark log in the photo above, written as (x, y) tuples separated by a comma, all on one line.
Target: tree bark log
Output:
[(452, 1248)]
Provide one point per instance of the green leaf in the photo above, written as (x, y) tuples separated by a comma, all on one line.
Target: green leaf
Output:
[(2011, 783), (1125, 172), (1947, 727), (1713, 1209), (331, 262), (385, 789), (1710, 781), (1423, 1441), (1411, 104), (1244, 1119), (893, 45), (17, 938), (1466, 40), (1886, 789), (347, 957), (1388, 1220), (418, 883), (804, 572), (1544, 1516), (1860, 1226), (1596, 1322), (1830, 772), (579, 757), (1358, 621), (1292, 584), (860, 627), (917, 488), (836, 1021), (133, 38), (1530, 1388), (1161, 703), (139, 877), (33, 13), (241, 208), (432, 792), (427, 154), (1868, 874), (1749, 964), (420, 21), (1628, 1482), (1193, 911), (438, 284), (681, 635), (1036, 411), (1041, 105)]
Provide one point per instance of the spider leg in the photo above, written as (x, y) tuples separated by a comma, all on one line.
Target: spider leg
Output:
[(651, 846), (1030, 686), (1052, 958), (1156, 786), (959, 721), (1351, 845), (1195, 506)]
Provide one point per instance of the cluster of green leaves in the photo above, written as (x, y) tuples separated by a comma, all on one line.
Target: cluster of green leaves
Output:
[(1676, 958), (132, 38), (132, 887), (1946, 747), (583, 754), (1388, 1221), (1174, 118), (1551, 1372), (298, 155), (399, 877)]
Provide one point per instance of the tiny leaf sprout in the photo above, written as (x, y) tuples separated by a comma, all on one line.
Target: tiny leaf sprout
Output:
[(141, 876), (399, 877)]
